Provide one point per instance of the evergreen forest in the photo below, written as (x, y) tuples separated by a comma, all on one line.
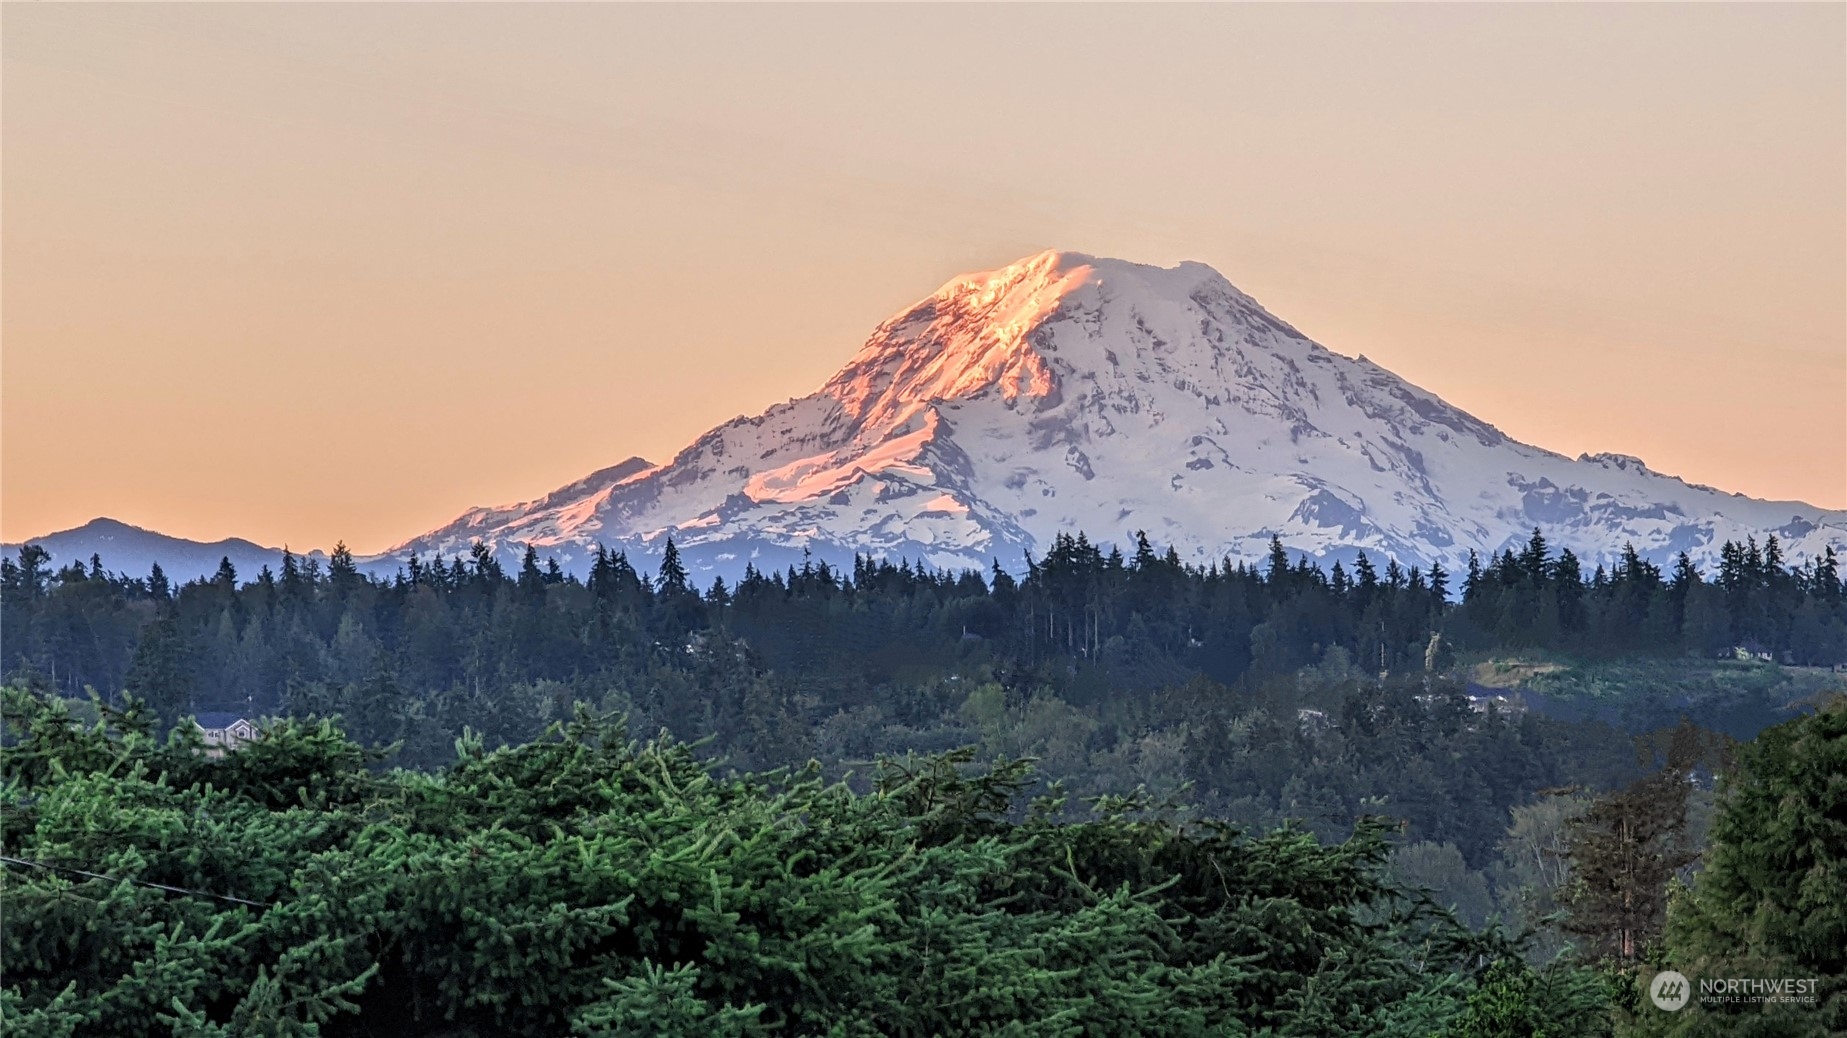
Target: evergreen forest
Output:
[(1103, 794)]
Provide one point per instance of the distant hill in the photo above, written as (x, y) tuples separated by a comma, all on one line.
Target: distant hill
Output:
[(133, 550)]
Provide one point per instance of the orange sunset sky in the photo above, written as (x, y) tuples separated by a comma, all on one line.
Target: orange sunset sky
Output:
[(306, 272)]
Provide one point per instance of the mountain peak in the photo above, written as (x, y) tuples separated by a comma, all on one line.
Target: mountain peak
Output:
[(978, 332), (1045, 277)]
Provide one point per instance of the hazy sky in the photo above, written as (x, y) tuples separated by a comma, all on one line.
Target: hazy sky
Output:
[(299, 273)]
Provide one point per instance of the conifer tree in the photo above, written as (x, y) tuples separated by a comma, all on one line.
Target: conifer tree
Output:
[(342, 571), (1471, 583), (291, 573), (1624, 849), (163, 669), (718, 595), (1278, 572), (671, 579), (531, 579), (1771, 900), (1365, 579), (1144, 552)]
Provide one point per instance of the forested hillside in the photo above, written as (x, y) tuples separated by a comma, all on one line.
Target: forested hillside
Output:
[(1253, 694), (1268, 692)]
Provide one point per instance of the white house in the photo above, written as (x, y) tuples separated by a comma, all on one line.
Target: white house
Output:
[(224, 730)]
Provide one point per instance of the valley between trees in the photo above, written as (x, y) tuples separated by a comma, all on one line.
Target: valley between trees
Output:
[(1261, 799)]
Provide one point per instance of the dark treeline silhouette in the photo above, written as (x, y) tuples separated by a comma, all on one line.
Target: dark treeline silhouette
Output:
[(1086, 619)]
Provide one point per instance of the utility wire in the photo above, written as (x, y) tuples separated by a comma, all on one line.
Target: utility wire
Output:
[(136, 882)]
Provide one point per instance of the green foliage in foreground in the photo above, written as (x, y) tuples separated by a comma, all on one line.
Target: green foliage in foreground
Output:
[(1772, 899), (586, 885)]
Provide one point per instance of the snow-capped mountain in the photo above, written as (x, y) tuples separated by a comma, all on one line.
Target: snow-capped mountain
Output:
[(1066, 393)]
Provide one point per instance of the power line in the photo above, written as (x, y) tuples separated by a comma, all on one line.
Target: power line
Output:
[(137, 882)]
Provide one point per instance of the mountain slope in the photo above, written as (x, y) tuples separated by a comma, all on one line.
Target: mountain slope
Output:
[(1067, 393), (133, 550)]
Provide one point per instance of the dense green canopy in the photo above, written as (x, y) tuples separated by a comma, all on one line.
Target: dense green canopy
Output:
[(584, 884), (1771, 901)]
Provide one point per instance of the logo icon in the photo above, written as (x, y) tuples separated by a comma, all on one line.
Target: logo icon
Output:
[(1669, 990)]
